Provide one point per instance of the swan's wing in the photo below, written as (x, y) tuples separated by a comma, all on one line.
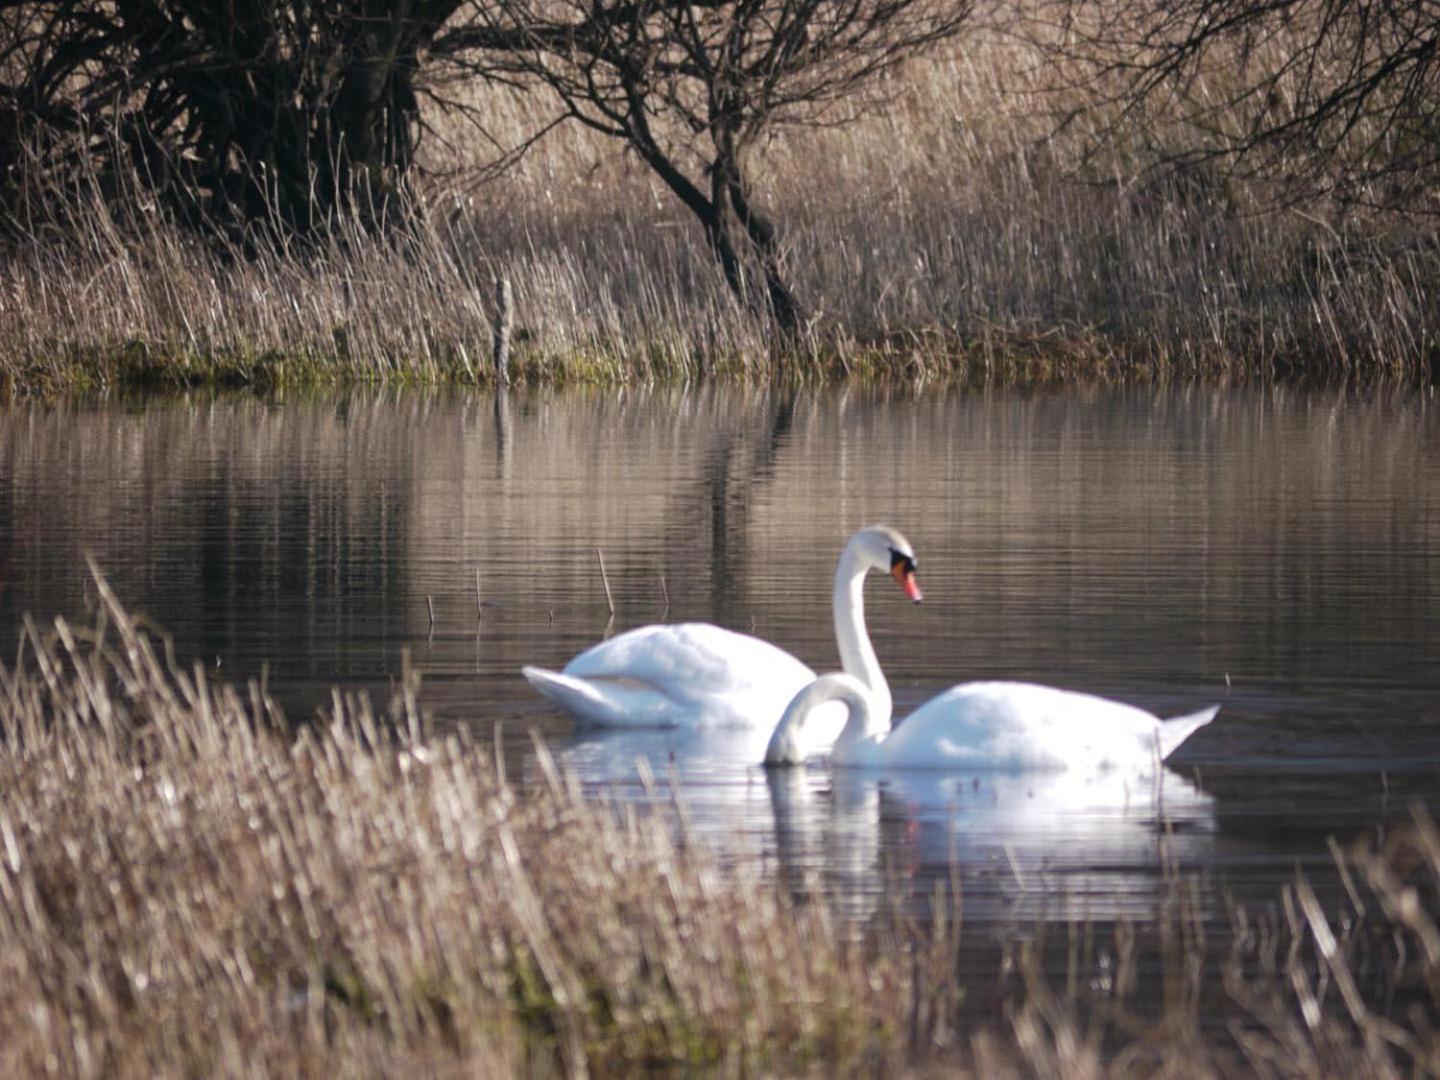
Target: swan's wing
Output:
[(691, 661), (1003, 725), (607, 702), (685, 674)]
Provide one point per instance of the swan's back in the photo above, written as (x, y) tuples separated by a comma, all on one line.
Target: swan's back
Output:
[(693, 660), (683, 675), (1008, 725)]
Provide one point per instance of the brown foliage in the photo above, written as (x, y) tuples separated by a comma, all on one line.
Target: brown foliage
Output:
[(1324, 99), (692, 89), (234, 114), (186, 887)]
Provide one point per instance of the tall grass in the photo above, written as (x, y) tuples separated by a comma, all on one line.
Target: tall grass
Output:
[(188, 886), (946, 232)]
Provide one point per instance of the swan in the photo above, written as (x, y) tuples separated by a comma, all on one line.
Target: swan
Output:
[(700, 675), (990, 725)]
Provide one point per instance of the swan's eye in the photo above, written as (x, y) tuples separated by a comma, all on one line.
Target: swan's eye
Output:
[(901, 563)]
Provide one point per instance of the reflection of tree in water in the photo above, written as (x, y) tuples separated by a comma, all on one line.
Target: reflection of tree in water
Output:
[(327, 566), (734, 469), (504, 434), (218, 525)]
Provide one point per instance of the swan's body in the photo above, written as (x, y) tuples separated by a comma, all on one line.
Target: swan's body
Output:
[(674, 676), (695, 674), (991, 725)]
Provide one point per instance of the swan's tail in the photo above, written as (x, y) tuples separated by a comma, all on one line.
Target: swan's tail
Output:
[(1174, 732), (600, 701), (575, 696)]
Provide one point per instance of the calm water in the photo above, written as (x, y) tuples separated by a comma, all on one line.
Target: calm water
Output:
[(1277, 551)]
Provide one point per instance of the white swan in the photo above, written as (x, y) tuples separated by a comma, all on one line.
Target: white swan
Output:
[(992, 725), (696, 674)]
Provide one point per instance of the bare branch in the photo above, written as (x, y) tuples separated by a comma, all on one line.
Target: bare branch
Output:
[(1320, 97)]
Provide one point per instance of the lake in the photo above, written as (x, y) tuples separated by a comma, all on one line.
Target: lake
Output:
[(1273, 550)]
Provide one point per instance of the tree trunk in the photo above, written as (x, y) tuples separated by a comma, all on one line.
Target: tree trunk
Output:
[(784, 305), (718, 212), (730, 187)]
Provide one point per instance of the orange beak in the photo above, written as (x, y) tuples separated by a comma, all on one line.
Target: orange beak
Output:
[(905, 577)]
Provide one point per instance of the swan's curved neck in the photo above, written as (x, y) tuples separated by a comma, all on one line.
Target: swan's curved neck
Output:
[(785, 747), (857, 655)]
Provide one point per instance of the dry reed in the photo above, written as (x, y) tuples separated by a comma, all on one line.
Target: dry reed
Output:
[(187, 886), (948, 233)]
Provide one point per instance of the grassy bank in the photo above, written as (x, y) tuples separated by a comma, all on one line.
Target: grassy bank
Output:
[(187, 887), (955, 233)]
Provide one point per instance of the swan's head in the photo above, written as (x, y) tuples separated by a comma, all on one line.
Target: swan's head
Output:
[(880, 547)]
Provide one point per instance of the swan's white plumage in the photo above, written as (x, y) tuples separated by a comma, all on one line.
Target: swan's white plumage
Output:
[(698, 659), (699, 675), (668, 676), (991, 725), (1009, 725)]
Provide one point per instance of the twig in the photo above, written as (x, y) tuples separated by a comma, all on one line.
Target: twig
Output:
[(1015, 868), (478, 605), (431, 605), (605, 580)]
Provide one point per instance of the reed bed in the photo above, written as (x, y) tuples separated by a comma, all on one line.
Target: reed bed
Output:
[(190, 886), (952, 231)]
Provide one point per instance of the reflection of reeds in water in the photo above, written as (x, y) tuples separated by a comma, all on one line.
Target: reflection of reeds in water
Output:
[(1234, 526), (945, 232), (185, 887), (200, 509)]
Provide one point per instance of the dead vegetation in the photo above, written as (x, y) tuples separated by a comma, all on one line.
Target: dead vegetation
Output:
[(189, 886), (960, 230)]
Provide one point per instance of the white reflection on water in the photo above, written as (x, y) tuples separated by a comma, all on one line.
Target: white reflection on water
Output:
[(1017, 845), (1056, 843)]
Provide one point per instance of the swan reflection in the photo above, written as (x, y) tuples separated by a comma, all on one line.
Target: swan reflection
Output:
[(828, 835), (1057, 844), (821, 832), (1019, 845)]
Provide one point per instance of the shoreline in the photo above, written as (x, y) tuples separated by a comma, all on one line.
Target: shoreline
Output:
[(1051, 361)]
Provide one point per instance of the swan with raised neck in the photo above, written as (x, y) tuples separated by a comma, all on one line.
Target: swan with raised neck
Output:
[(699, 675), (876, 547)]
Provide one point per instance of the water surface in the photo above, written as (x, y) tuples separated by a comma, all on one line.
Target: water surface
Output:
[(1273, 550)]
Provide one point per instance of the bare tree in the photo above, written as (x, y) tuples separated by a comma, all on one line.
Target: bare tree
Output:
[(290, 112), (691, 88), (272, 110), (1327, 97)]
